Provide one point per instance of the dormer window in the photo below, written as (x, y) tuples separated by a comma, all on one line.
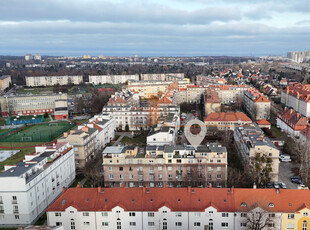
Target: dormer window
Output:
[(271, 205), (243, 204)]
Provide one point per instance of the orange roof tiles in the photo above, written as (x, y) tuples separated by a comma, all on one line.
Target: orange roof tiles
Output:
[(181, 199), (227, 116), (261, 99), (263, 122), (294, 120), (299, 90)]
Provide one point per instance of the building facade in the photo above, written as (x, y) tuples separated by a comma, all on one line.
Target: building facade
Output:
[(169, 165), (32, 104), (250, 141), (297, 96), (180, 208), (111, 79), (5, 82), (33, 81), (29, 187)]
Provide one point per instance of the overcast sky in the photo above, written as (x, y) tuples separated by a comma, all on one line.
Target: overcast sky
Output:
[(154, 27)]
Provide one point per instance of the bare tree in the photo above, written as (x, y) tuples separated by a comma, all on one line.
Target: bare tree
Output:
[(257, 219), (302, 150), (260, 168)]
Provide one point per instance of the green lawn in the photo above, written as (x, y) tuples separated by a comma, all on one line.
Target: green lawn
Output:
[(20, 155), (43, 90), (141, 140)]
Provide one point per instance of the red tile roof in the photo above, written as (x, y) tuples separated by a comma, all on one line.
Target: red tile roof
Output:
[(261, 98), (227, 116), (302, 91), (294, 120), (181, 199), (263, 122)]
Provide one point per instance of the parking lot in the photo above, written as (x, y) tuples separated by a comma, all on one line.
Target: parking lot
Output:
[(285, 172)]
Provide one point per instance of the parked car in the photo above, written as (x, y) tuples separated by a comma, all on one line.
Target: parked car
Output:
[(276, 185), (302, 186), (296, 179), (269, 185), (285, 158), (283, 185)]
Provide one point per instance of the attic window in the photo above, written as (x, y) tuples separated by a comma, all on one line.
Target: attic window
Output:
[(289, 204), (243, 204), (106, 200), (193, 191), (271, 205), (179, 200), (199, 200), (63, 202), (151, 200), (147, 191), (133, 200), (224, 200)]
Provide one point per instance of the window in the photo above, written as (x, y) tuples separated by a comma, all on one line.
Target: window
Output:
[(120, 168), (57, 213), (197, 224), (165, 225), (151, 223), (218, 168), (210, 225), (270, 225), (105, 223), (178, 224), (121, 176), (305, 214), (71, 211), (132, 214), (304, 225), (272, 215), (160, 168), (178, 214), (224, 225), (169, 168), (58, 223), (210, 212), (130, 176), (118, 225), (16, 217), (243, 214), (271, 205), (242, 224), (150, 214), (169, 175), (86, 223), (85, 213), (104, 214), (111, 176), (290, 226), (165, 212), (218, 176), (72, 225), (197, 214), (132, 223), (225, 214), (291, 216)]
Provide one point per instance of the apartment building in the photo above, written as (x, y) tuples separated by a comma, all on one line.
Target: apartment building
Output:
[(291, 122), (151, 88), (111, 79), (34, 81), (297, 96), (162, 76), (61, 109), (180, 208), (30, 104), (227, 120), (105, 124), (206, 80), (168, 165), (230, 93), (5, 82), (250, 140), (139, 118), (30, 186), (256, 104), (124, 97), (212, 102), (83, 139)]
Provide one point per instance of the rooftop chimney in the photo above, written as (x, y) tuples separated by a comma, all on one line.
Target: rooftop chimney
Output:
[(78, 185), (99, 189), (65, 134), (254, 186), (64, 189)]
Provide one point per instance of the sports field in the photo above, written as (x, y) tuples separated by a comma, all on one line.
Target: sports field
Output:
[(39, 132)]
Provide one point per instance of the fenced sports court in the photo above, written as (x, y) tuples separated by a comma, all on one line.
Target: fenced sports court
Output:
[(38, 132)]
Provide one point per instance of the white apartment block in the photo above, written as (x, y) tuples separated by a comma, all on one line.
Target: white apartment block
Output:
[(178, 208), (162, 76), (298, 98), (32, 104), (111, 79), (29, 187), (33, 81), (106, 129), (5, 82), (138, 118), (229, 93), (256, 105)]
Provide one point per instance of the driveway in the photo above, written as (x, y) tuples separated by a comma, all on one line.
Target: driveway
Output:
[(285, 172)]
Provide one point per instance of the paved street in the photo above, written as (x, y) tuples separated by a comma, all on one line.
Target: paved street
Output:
[(285, 173)]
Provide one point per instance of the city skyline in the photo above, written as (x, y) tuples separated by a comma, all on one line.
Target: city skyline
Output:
[(154, 28)]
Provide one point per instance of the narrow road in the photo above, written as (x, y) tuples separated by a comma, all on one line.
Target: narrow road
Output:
[(285, 172)]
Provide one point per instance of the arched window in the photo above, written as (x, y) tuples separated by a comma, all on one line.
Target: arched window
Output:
[(304, 225)]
